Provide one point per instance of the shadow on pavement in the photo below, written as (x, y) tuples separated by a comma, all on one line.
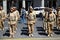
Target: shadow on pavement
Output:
[(24, 31), (56, 31), (41, 31), (6, 33)]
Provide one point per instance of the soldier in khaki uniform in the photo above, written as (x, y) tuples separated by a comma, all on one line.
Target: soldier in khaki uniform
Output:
[(45, 20), (58, 17), (12, 22), (2, 17), (51, 20), (31, 18), (16, 12)]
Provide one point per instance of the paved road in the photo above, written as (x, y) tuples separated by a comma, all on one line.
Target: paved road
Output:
[(22, 31)]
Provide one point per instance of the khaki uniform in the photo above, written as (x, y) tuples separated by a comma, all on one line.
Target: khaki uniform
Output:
[(51, 20), (12, 22), (2, 18), (16, 12), (58, 18), (45, 22), (31, 18)]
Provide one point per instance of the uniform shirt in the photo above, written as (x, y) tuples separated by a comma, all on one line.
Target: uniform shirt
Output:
[(12, 18), (17, 14), (31, 17)]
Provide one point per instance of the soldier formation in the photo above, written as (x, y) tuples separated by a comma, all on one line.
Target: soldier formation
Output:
[(49, 20)]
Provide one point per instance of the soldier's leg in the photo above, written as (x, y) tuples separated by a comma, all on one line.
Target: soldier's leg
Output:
[(46, 29), (10, 30), (44, 25), (49, 29), (2, 25), (58, 23), (29, 29), (15, 28), (32, 29)]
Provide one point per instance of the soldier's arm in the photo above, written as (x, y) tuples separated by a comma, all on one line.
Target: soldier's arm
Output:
[(8, 18), (4, 15), (54, 19), (43, 14), (35, 16), (17, 15), (27, 14)]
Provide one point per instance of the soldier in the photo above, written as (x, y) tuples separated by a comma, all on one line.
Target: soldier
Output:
[(31, 18), (51, 20), (58, 17), (3, 16), (12, 22), (16, 12), (45, 16)]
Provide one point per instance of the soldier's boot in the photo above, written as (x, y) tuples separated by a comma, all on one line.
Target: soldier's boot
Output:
[(29, 30), (16, 26), (12, 35)]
